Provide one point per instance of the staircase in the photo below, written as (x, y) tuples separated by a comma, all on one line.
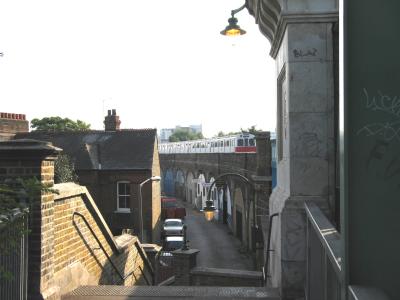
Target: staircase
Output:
[(170, 293)]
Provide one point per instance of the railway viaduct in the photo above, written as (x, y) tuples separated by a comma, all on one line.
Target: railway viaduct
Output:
[(242, 206)]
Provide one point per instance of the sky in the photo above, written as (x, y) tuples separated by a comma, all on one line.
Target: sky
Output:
[(159, 63)]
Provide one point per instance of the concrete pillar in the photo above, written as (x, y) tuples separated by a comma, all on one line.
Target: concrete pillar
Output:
[(301, 38), (26, 159), (184, 261)]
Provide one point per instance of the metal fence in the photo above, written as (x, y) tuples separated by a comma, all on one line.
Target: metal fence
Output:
[(324, 265), (14, 259), (325, 274)]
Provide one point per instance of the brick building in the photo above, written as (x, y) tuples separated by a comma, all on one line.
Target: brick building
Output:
[(10, 124), (112, 164), (69, 244)]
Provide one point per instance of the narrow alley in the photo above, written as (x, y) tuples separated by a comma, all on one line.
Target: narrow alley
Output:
[(218, 247)]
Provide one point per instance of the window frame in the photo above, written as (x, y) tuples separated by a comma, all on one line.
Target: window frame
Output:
[(124, 209)]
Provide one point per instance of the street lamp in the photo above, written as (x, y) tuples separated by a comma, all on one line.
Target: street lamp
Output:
[(233, 29), (153, 178), (209, 209)]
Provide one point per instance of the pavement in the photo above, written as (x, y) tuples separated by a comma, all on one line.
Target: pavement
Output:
[(218, 247), (108, 292)]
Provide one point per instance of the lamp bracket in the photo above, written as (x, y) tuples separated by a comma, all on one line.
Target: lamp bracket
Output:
[(235, 11)]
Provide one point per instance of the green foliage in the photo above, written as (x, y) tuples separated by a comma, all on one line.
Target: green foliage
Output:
[(64, 170), (17, 197), (183, 134), (58, 124), (251, 130)]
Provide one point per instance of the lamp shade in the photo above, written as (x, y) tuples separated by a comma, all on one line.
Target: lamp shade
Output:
[(209, 210), (233, 29)]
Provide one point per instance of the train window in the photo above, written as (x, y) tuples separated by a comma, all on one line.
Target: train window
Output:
[(220, 143), (251, 142), (246, 142), (240, 142)]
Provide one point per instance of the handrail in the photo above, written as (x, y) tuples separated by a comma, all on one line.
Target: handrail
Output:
[(265, 269), (123, 277), (366, 293), (327, 234), (145, 261)]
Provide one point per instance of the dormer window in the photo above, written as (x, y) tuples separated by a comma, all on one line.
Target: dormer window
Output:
[(123, 196)]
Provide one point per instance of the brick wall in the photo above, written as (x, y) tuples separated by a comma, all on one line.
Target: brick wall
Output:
[(75, 247), (156, 197), (103, 186), (10, 124), (63, 254)]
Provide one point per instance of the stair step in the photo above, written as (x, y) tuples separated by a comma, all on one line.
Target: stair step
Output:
[(111, 292)]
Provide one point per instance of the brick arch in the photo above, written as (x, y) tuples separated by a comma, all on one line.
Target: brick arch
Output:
[(238, 213), (179, 184), (190, 187)]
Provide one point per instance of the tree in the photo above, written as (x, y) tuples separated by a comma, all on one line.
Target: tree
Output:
[(183, 134), (251, 130), (64, 169), (58, 124)]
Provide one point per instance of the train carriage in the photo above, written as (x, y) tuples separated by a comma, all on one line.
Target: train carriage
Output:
[(240, 143)]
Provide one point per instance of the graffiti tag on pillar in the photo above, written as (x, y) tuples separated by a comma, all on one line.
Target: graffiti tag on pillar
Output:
[(383, 158), (389, 129), (304, 53)]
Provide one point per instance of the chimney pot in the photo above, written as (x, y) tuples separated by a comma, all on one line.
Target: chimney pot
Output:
[(111, 121)]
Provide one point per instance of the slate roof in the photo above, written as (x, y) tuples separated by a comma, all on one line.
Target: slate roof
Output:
[(107, 150)]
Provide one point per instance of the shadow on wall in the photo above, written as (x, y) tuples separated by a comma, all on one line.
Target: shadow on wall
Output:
[(83, 239), (116, 269)]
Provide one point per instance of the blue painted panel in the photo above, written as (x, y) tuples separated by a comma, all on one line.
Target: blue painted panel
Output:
[(169, 184)]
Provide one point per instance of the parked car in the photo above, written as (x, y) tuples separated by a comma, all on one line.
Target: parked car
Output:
[(170, 209), (172, 227), (172, 243)]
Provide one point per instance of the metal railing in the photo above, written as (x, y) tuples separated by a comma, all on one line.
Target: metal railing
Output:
[(324, 275), (325, 272), (14, 258), (269, 250), (121, 275)]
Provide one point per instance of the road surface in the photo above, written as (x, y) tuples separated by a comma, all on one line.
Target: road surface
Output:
[(218, 248)]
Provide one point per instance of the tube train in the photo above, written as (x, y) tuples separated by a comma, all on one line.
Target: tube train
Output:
[(240, 143)]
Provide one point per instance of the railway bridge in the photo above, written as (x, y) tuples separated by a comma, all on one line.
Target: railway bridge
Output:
[(242, 205)]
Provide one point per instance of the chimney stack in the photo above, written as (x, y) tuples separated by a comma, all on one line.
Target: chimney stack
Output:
[(111, 121)]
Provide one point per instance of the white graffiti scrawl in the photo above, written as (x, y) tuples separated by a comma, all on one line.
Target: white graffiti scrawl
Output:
[(388, 130)]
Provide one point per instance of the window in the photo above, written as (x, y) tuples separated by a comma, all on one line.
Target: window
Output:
[(123, 196), (240, 142), (251, 142)]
